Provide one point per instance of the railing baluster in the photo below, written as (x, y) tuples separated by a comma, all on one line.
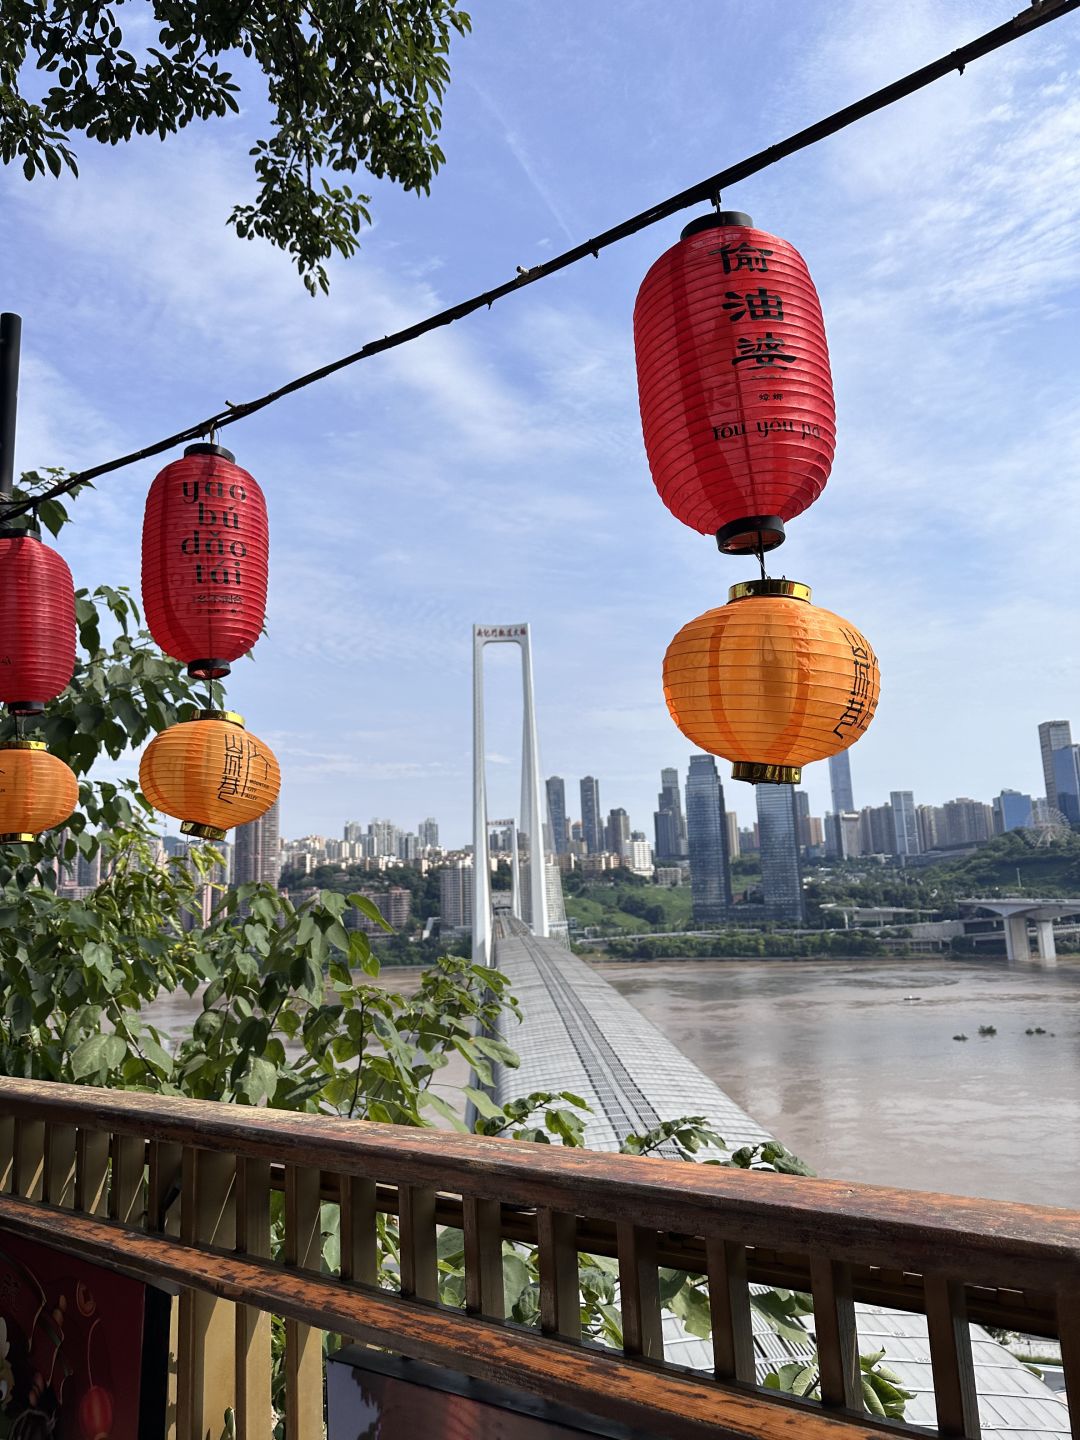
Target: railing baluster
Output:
[(303, 1345), (837, 1338), (91, 1171), (206, 1369), (128, 1173), (1068, 1310), (560, 1291), (729, 1303), (950, 1357), (29, 1172), (163, 1188), (254, 1416), (359, 1242), (163, 1194), (639, 1291), (7, 1153), (482, 1223), (60, 1165), (419, 1257)]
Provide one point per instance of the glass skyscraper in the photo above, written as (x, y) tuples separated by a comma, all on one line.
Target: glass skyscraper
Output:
[(781, 877), (1053, 735), (668, 819), (843, 799), (905, 823), (706, 828), (592, 823), (556, 804)]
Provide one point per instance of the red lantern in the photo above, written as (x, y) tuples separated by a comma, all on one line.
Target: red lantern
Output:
[(37, 622), (734, 382), (204, 560)]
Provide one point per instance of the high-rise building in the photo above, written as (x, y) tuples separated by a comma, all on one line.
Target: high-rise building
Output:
[(592, 823), (384, 837), (668, 819), (352, 832), (781, 878), (967, 821), (639, 856), (802, 817), (257, 851), (843, 799), (876, 835), (731, 824), (1067, 781), (905, 823), (706, 827), (455, 895), (428, 831), (556, 805), (1012, 811), (617, 832), (1053, 735)]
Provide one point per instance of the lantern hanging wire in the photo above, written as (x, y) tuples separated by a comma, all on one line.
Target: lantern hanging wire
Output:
[(707, 191)]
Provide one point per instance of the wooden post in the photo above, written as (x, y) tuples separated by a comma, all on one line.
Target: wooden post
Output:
[(729, 1303), (91, 1171), (484, 1293), (359, 1241), (419, 1256), (60, 1165), (1068, 1308), (126, 1202), (560, 1289), (950, 1357), (303, 1344), (28, 1179), (639, 1292), (206, 1383), (837, 1338), (254, 1411)]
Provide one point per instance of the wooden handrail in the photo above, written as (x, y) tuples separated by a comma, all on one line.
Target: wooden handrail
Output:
[(991, 1243), (179, 1191)]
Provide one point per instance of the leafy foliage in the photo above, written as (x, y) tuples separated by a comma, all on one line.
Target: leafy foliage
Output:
[(353, 87)]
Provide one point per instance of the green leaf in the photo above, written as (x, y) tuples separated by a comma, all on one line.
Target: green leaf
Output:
[(485, 1106)]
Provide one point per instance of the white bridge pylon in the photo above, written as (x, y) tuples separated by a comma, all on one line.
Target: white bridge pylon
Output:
[(534, 895)]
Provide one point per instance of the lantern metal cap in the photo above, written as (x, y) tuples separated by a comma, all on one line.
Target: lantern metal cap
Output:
[(791, 589), (202, 832), (18, 837), (22, 745), (231, 717), (716, 221), (205, 448), (751, 535), (756, 773), (25, 707), (209, 669)]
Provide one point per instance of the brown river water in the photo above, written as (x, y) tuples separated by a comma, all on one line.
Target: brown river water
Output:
[(868, 1084), (860, 1080)]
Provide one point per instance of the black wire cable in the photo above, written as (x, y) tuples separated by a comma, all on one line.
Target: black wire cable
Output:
[(1039, 13)]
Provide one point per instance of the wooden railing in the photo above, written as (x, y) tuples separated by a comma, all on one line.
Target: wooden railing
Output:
[(180, 1193)]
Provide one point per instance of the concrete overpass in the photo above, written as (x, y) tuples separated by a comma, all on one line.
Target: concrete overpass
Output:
[(1017, 914)]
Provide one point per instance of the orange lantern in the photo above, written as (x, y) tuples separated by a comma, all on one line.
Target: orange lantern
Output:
[(210, 773), (770, 681), (37, 791)]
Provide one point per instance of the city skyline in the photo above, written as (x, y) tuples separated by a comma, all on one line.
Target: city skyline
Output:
[(509, 445)]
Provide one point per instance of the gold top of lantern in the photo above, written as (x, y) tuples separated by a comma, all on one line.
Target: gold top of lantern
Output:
[(22, 745), (231, 717), (792, 589)]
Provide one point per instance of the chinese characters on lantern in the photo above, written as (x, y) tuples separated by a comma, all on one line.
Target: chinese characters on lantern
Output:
[(859, 709)]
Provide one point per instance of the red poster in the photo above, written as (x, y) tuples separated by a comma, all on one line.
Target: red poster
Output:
[(83, 1351)]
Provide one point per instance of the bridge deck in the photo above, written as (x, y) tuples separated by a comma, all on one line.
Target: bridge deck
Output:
[(579, 1034)]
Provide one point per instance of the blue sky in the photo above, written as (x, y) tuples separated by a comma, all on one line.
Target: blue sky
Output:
[(495, 472)]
